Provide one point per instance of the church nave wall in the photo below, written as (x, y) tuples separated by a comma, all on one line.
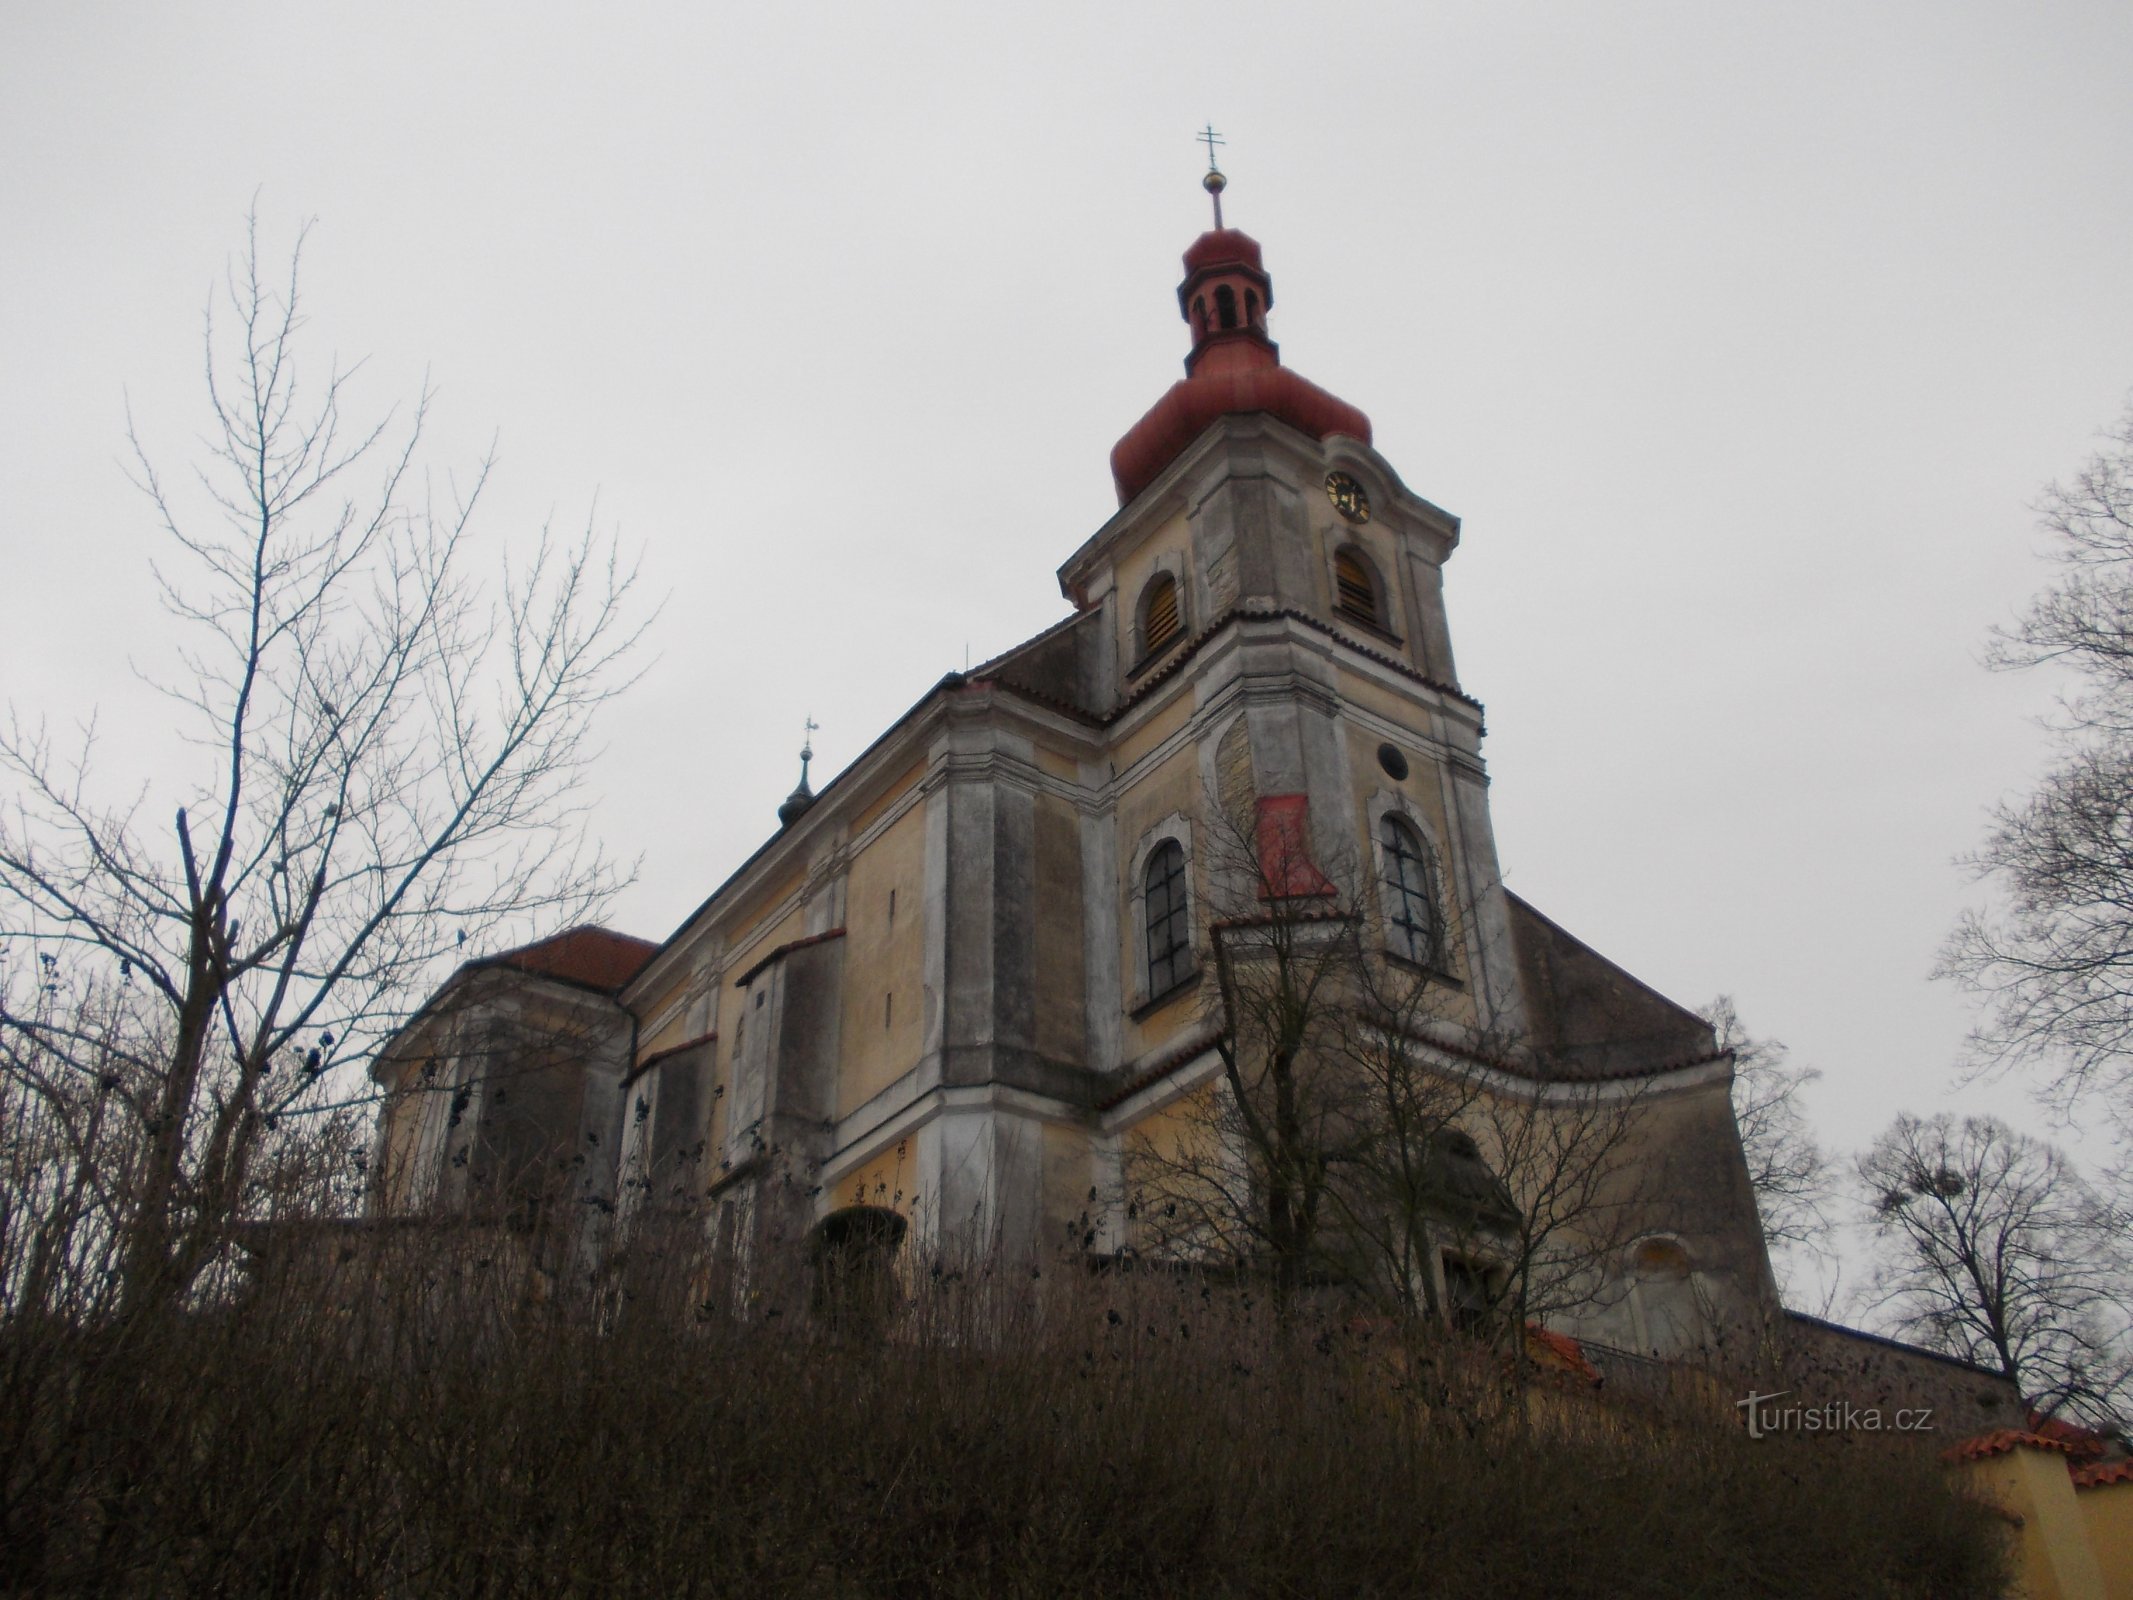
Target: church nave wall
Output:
[(884, 973)]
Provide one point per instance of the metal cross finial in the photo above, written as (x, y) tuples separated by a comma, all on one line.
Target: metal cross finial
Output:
[(1214, 183), (807, 741)]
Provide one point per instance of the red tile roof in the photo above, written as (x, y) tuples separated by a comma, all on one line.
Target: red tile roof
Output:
[(1191, 404), (2095, 1474), (1546, 1347), (2082, 1441), (2001, 1440), (599, 958)]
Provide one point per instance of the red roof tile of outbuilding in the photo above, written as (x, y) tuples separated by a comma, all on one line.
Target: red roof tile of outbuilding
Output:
[(2095, 1474), (2001, 1440)]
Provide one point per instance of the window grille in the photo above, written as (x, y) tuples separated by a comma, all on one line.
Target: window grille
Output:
[(1414, 924), (1169, 923)]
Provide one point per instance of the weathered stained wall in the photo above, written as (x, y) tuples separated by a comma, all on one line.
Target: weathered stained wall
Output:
[(885, 955)]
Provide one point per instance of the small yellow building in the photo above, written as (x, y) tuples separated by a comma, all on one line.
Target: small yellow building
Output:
[(2070, 1507)]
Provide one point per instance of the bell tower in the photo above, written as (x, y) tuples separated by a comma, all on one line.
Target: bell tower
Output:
[(1225, 298), (1233, 366)]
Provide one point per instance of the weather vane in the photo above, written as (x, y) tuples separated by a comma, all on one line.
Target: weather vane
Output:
[(1214, 183), (807, 744)]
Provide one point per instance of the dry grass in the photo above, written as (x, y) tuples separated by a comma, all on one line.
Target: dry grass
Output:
[(422, 1429)]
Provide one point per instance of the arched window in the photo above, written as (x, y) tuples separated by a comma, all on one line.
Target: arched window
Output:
[(1414, 927), (1161, 619), (1355, 588), (1225, 305), (1199, 314), (1251, 307), (1169, 922)]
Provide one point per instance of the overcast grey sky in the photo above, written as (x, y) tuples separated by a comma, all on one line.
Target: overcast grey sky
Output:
[(1741, 336)]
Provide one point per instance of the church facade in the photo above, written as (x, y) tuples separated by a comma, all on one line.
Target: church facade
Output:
[(970, 977)]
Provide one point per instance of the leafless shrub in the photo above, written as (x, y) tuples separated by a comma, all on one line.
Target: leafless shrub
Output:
[(407, 1410)]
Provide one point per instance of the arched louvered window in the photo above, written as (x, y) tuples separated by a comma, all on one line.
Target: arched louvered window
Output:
[(1161, 619), (1225, 305), (1169, 920), (1414, 924), (1355, 588)]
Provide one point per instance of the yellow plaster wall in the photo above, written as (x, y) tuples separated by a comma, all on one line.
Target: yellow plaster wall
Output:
[(669, 1009), (1160, 725), (1173, 786), (1423, 784), (884, 962), (762, 904), (874, 809), (1401, 710), (1164, 1149), (673, 1030), (890, 1179), (2107, 1518), (2054, 1560), (1177, 1128)]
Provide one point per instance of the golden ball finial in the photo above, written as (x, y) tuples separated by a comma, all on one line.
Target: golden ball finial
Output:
[(1214, 182)]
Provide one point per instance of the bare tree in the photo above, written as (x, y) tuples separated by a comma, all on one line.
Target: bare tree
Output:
[(1995, 1250), (2054, 958), (389, 760), (1790, 1170), (1363, 1130), (1246, 1178), (1575, 1181)]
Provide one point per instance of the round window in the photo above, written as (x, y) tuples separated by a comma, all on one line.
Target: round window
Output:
[(1394, 763)]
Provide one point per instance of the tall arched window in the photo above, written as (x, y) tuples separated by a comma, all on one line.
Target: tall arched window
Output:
[(1414, 926), (1225, 305), (1169, 922), (1355, 589), (1161, 618)]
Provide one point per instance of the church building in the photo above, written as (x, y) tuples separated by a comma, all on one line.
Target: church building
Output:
[(963, 980)]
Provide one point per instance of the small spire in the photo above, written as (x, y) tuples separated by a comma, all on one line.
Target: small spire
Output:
[(1214, 183), (801, 798)]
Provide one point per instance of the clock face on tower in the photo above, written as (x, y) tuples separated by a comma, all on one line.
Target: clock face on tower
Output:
[(1347, 497)]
